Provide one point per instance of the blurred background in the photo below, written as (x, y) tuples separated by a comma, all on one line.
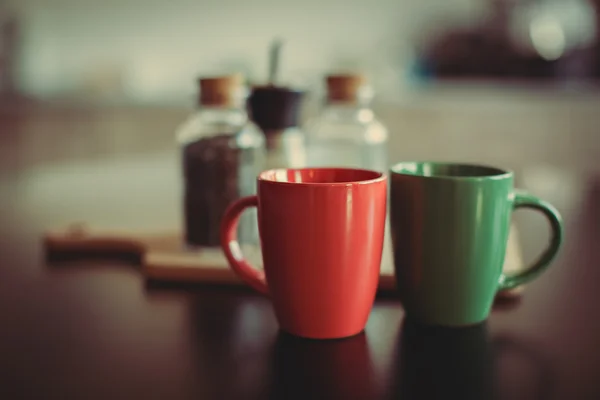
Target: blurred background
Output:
[(151, 52)]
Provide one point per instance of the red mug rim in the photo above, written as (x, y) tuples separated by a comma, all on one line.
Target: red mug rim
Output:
[(364, 176)]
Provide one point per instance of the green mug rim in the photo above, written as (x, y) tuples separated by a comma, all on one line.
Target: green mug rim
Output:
[(495, 173)]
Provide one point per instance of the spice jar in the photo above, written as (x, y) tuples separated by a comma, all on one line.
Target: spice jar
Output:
[(222, 153), (347, 133)]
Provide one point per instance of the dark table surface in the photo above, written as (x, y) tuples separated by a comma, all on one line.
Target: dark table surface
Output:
[(96, 330)]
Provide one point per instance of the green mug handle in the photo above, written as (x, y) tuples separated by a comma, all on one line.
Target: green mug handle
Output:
[(526, 200)]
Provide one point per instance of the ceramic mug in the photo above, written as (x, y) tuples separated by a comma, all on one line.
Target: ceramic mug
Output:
[(321, 232), (450, 225)]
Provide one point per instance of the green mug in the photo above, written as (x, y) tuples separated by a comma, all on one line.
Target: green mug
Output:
[(449, 225)]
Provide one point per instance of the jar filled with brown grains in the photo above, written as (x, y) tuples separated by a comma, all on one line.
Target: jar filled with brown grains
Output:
[(222, 153)]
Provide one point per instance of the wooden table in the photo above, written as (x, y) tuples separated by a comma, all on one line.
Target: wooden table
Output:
[(95, 330)]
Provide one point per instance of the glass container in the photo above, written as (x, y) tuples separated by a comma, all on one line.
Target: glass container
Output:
[(346, 133), (222, 152)]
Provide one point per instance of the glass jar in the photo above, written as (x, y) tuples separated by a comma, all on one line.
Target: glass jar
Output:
[(222, 153), (346, 133)]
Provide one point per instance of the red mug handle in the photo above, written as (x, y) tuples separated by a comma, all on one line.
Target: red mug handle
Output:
[(229, 224)]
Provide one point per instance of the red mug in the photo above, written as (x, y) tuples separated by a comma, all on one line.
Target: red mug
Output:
[(321, 233)]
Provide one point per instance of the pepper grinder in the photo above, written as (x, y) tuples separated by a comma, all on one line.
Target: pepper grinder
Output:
[(276, 111)]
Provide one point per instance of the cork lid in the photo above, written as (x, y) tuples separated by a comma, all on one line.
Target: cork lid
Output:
[(345, 87), (221, 90)]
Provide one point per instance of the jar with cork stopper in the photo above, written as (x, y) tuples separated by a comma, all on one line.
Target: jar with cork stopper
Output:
[(222, 152), (346, 132)]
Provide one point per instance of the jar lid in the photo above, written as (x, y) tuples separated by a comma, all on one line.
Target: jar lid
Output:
[(348, 87), (275, 108), (221, 90)]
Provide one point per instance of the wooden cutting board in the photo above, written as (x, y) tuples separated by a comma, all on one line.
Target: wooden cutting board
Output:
[(164, 257)]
